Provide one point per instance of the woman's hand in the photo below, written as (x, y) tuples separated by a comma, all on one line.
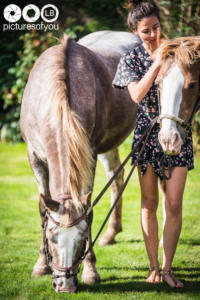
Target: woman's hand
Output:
[(157, 55)]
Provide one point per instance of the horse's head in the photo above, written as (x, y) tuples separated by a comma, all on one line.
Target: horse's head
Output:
[(179, 79), (65, 235)]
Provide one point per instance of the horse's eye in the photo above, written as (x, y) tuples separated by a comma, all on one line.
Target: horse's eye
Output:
[(192, 85)]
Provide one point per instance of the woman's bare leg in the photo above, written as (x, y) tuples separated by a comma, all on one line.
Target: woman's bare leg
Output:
[(172, 228), (149, 204)]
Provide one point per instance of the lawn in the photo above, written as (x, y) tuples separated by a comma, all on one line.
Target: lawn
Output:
[(123, 266)]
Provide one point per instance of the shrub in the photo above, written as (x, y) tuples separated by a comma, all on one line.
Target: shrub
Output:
[(34, 43)]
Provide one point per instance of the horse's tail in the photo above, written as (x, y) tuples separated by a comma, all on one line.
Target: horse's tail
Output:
[(79, 153)]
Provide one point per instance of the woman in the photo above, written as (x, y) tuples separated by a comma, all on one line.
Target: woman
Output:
[(137, 71)]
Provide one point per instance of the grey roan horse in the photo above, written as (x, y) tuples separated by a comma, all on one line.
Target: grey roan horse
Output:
[(70, 114)]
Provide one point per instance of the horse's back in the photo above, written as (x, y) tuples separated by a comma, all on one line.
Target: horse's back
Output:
[(110, 42), (109, 47)]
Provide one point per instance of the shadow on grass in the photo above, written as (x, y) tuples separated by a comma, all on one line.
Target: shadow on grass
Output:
[(138, 284), (182, 273), (193, 242), (130, 241), (187, 272), (124, 268), (116, 278)]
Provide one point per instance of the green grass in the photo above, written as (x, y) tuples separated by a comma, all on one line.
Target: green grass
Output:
[(123, 266)]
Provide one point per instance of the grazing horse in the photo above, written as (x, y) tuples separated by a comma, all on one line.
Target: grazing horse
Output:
[(70, 113)]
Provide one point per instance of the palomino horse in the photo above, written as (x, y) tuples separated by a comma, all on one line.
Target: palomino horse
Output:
[(70, 113)]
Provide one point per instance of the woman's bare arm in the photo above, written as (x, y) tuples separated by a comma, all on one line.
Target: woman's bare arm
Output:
[(139, 89)]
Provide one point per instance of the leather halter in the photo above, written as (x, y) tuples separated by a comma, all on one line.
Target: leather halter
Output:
[(50, 262), (63, 197), (75, 222)]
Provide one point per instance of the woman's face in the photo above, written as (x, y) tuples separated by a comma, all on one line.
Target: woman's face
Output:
[(148, 30)]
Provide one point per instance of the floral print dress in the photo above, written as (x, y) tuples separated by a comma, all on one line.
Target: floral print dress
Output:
[(132, 67)]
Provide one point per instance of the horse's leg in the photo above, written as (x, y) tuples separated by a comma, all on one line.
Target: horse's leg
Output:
[(90, 274), (111, 163), (41, 173), (163, 193)]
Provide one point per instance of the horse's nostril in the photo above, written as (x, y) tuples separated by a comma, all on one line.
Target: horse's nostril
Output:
[(176, 137), (54, 285), (75, 281), (60, 283)]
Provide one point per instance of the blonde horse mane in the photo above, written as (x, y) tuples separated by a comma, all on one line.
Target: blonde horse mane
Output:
[(79, 154), (183, 50)]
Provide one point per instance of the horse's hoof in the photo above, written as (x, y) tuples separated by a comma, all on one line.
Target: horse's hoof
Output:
[(107, 239), (90, 277), (41, 270)]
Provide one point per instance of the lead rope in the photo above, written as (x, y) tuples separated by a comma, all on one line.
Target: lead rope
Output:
[(147, 133)]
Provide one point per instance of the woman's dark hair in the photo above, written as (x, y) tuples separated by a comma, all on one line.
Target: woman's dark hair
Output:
[(139, 10)]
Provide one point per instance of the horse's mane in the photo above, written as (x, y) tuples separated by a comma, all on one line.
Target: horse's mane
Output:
[(79, 156), (183, 50)]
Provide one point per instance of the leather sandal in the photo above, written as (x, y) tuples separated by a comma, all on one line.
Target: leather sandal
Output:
[(169, 278), (157, 274)]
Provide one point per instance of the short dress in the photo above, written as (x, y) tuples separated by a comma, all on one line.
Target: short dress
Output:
[(132, 66)]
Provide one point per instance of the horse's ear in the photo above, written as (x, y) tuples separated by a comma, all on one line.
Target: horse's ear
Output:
[(86, 199), (49, 203)]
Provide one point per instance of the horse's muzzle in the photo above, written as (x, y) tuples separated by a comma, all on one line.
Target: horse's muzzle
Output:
[(171, 142), (73, 290), (65, 286)]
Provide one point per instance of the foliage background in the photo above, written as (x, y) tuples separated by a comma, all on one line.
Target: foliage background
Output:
[(20, 49)]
